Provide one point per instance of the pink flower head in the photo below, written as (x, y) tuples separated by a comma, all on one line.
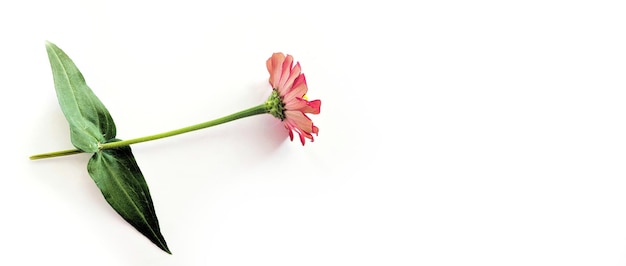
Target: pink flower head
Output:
[(288, 101)]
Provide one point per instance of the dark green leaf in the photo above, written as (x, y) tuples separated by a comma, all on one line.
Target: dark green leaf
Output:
[(117, 174), (90, 122)]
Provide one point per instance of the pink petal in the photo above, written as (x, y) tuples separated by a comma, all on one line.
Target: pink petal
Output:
[(296, 104), (289, 128), (302, 105), (295, 73), (301, 80), (312, 107), (298, 90), (286, 70), (300, 121), (273, 67)]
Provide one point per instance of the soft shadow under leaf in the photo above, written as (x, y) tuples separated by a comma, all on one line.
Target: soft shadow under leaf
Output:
[(118, 176)]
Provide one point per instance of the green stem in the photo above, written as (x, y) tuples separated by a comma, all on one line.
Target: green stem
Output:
[(260, 109), (55, 154)]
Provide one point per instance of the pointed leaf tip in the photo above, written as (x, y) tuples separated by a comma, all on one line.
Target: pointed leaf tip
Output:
[(122, 184), (90, 122)]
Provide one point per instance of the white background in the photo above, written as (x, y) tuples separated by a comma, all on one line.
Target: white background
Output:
[(451, 133)]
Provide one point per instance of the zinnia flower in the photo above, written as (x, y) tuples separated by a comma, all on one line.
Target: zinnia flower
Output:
[(288, 101)]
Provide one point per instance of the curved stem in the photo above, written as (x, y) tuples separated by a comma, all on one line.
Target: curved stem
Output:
[(259, 109)]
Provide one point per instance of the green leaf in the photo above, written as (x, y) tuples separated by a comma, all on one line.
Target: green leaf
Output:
[(90, 122), (117, 174), (115, 171)]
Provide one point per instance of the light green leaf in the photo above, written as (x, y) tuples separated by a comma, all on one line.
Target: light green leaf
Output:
[(90, 122), (117, 174)]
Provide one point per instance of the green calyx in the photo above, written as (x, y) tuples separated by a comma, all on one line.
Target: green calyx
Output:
[(275, 105)]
